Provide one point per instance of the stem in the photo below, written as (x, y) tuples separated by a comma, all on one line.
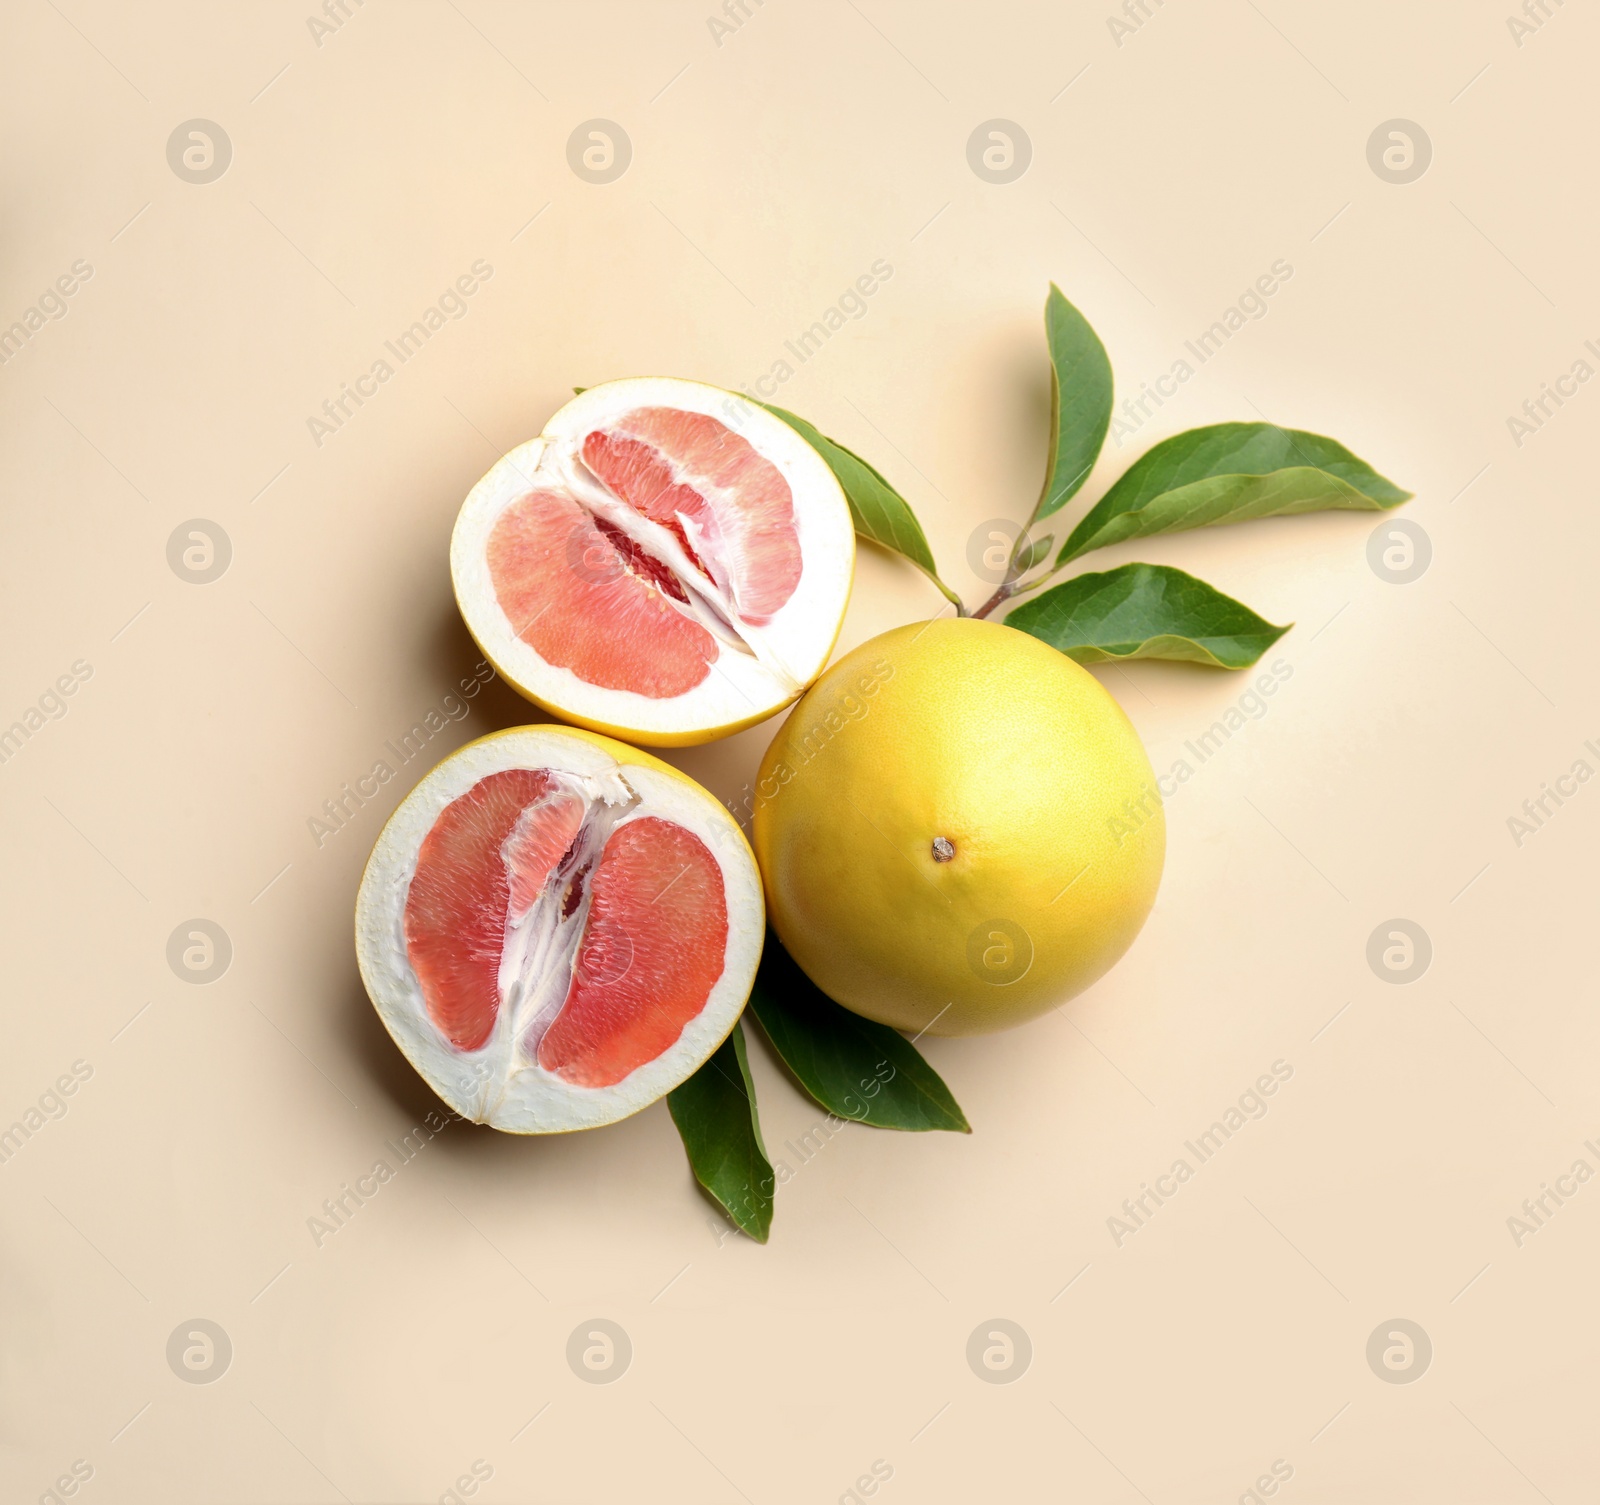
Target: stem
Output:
[(1022, 561), (999, 598), (1010, 588)]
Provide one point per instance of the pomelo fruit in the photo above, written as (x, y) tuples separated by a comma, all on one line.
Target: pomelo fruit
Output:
[(557, 929), (667, 562), (958, 829)]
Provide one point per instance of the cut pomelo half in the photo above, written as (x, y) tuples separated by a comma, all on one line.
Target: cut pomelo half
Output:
[(668, 562), (557, 929)]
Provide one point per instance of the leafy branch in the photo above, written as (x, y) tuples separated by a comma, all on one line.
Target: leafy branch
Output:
[(1222, 473), (1080, 415)]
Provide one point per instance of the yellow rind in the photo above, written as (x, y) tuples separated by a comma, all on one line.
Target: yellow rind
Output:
[(976, 732)]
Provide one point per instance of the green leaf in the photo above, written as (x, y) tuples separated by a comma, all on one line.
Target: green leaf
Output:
[(1228, 473), (1080, 402), (1146, 611), (715, 1111), (879, 512), (854, 1068)]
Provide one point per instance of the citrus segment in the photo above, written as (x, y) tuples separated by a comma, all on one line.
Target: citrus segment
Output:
[(732, 509), (650, 955), (542, 836), (455, 915), (584, 601)]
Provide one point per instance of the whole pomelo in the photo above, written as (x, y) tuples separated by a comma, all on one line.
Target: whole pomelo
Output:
[(958, 829)]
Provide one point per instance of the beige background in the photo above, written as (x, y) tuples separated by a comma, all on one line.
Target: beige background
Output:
[(769, 171)]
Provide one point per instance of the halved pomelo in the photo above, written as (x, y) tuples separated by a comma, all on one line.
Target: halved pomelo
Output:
[(558, 929), (668, 562)]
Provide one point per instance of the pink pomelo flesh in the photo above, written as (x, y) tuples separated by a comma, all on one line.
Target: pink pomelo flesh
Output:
[(595, 932), (731, 508), (455, 918), (581, 602), (650, 955), (691, 537)]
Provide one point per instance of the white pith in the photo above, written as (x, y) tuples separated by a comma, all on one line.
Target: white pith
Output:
[(761, 667), (502, 1083), (541, 942)]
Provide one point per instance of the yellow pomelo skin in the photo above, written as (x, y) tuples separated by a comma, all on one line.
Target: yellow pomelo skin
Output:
[(1018, 758)]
